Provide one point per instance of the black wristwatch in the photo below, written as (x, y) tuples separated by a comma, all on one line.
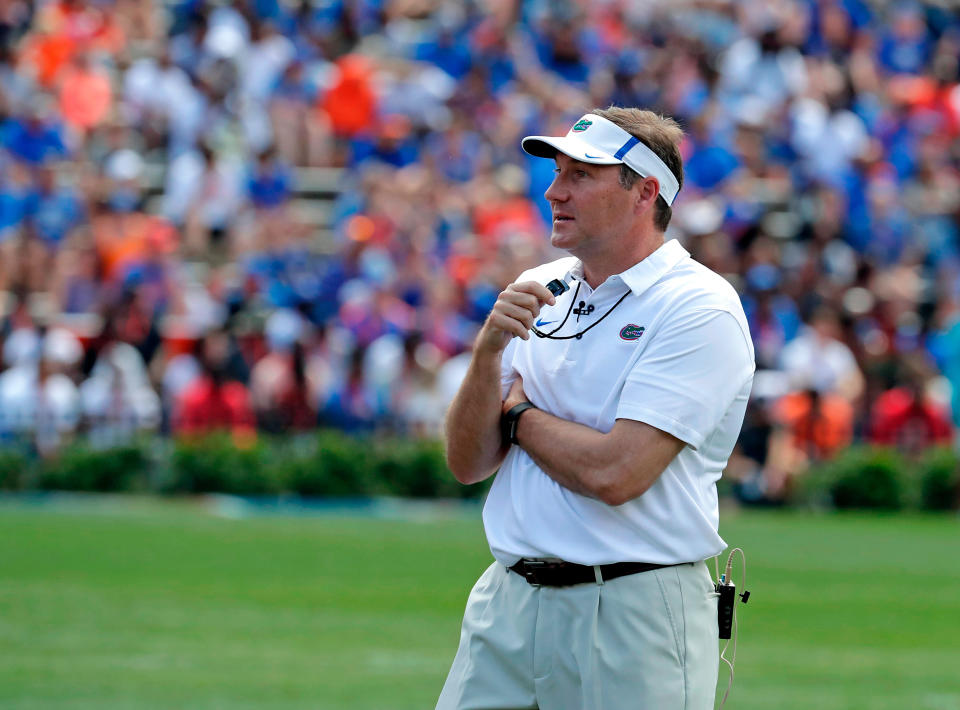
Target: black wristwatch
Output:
[(509, 421)]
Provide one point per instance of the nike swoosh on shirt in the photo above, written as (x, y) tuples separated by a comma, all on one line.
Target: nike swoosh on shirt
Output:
[(541, 323)]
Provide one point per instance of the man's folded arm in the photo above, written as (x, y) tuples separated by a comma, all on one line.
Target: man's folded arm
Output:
[(613, 467), (676, 395), (474, 446)]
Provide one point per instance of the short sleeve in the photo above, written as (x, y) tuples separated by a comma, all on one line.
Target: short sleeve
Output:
[(689, 375)]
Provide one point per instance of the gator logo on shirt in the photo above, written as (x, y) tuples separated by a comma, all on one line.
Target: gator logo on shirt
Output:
[(582, 125), (631, 331)]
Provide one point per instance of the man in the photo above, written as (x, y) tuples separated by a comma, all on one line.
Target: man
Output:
[(618, 422)]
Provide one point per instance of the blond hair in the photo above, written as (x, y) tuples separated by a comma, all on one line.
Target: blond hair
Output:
[(660, 134)]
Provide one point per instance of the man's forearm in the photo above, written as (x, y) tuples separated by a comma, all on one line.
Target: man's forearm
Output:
[(472, 431), (572, 454), (612, 467)]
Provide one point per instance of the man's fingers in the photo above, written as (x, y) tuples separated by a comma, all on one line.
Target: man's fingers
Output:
[(518, 306), (509, 324), (524, 315), (535, 289), (521, 299)]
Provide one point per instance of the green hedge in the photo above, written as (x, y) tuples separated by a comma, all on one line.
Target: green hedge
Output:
[(80, 468), (14, 470), (860, 477), (216, 464), (333, 464), (873, 478), (940, 480), (325, 464)]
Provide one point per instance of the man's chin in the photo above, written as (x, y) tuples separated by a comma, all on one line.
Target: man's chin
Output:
[(560, 240)]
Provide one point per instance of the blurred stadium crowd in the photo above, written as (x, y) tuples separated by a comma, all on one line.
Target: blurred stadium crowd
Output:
[(158, 271)]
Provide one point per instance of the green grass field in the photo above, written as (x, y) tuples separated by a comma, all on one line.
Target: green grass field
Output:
[(162, 605)]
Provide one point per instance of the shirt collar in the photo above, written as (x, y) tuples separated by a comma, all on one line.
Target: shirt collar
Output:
[(643, 274)]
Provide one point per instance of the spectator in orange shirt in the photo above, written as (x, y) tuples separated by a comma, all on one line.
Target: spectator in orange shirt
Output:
[(819, 423), (64, 29), (503, 211), (85, 95), (351, 103), (84, 24), (123, 233), (45, 55), (809, 426)]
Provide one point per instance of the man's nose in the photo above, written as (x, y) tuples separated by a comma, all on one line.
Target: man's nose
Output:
[(555, 193)]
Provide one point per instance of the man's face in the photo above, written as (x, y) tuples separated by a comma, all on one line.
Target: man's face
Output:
[(590, 208)]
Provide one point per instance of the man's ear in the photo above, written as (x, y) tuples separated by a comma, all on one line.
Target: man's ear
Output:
[(647, 191)]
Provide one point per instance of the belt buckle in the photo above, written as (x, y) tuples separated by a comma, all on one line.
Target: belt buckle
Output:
[(532, 567)]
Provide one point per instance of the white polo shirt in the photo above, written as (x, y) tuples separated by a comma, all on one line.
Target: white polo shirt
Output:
[(675, 354)]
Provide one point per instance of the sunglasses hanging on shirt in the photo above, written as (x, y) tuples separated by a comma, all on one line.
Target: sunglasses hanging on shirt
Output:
[(557, 287)]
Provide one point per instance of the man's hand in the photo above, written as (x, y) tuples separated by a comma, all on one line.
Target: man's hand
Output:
[(515, 396), (513, 314)]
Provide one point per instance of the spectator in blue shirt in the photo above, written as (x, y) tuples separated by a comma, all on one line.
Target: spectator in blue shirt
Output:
[(33, 138), (447, 51), (14, 191), (270, 181), (53, 210), (11, 211), (905, 47), (711, 162), (560, 52), (393, 144)]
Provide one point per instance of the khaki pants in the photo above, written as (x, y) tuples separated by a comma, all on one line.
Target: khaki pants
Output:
[(647, 640)]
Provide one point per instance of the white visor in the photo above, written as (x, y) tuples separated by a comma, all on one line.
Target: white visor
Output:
[(594, 139)]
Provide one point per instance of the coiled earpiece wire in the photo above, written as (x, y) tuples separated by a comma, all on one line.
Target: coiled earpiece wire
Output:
[(724, 582)]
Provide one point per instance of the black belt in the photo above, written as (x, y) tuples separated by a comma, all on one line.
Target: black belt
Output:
[(557, 573)]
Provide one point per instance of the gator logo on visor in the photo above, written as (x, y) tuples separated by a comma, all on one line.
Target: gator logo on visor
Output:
[(631, 331), (582, 125)]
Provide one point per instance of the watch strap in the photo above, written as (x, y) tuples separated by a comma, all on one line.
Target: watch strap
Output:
[(512, 418)]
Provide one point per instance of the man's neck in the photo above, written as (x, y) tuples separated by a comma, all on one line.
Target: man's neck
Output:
[(598, 269)]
